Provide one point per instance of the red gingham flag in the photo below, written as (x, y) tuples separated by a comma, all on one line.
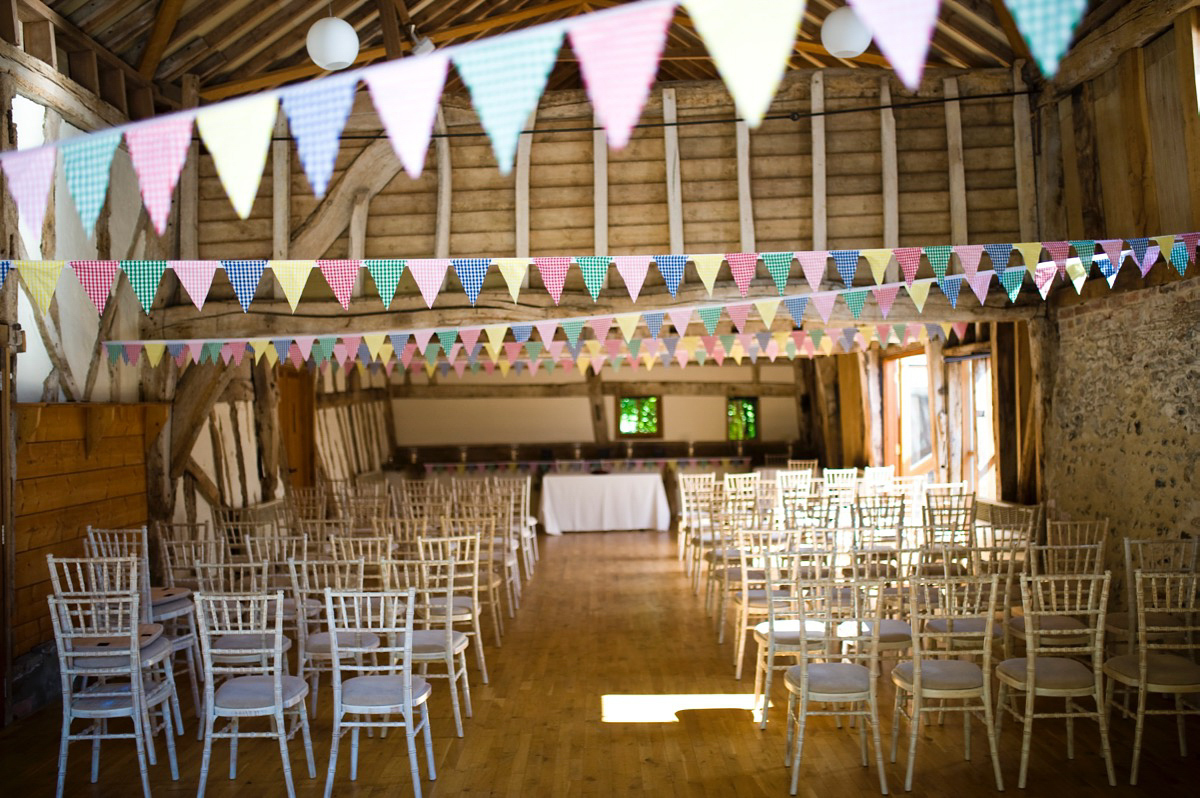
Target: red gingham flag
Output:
[(554, 274), (96, 277), (341, 276), (158, 149), (742, 266)]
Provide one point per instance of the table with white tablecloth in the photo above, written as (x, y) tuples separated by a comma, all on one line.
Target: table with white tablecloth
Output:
[(603, 502)]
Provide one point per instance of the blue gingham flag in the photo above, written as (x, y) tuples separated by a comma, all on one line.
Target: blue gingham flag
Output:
[(5, 265), (86, 164), (671, 267), (796, 307), (999, 253), (950, 286), (505, 76), (1047, 26), (846, 261), (471, 272), (521, 332), (244, 276), (317, 113), (653, 322), (399, 341)]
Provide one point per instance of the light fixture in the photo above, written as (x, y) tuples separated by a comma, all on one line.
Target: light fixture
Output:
[(332, 43), (844, 35), (423, 46)]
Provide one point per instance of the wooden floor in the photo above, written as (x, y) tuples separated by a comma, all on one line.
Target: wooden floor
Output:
[(611, 615)]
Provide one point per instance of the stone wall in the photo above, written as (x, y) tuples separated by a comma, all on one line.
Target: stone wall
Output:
[(1123, 434)]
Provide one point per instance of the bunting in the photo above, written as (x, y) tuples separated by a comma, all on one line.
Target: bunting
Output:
[(633, 269), (29, 174), (1047, 27), (237, 135), (40, 278), (144, 276), (595, 272), (386, 274), (341, 275), (742, 265), (470, 272), (778, 264), (846, 261), (671, 268), (513, 270), (553, 272), (292, 276), (87, 161), (317, 113), (96, 277), (902, 29), (158, 149), (244, 276), (405, 93), (707, 267), (429, 274)]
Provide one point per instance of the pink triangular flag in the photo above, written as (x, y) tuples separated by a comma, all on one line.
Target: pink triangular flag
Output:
[(980, 282), (912, 332), (469, 336), (239, 352), (406, 93), (546, 330), (1059, 252), (960, 330), (429, 274), (618, 55), (612, 346), (304, 343), (909, 259), (1190, 240), (600, 326), (513, 350), (824, 304), (30, 173), (226, 353), (1113, 249), (902, 29), (96, 277), (682, 356), (555, 348), (814, 265), (194, 349), (632, 269), (341, 276), (351, 343), (885, 295), (554, 274), (1149, 259), (1043, 277), (196, 277), (489, 366), (407, 355), (158, 149), (534, 364), (294, 356), (968, 256), (680, 320), (739, 314), (883, 332), (742, 266), (422, 338), (460, 366)]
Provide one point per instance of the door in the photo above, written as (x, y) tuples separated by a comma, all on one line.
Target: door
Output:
[(907, 437), (297, 422)]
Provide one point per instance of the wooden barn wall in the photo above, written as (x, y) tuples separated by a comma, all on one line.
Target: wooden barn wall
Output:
[(354, 428)]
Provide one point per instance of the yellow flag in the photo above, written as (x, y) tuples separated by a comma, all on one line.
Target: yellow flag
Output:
[(504, 366), (40, 277), (627, 323), (1031, 251), (1078, 274), (514, 271), (292, 276), (878, 259), (260, 347), (271, 355), (706, 268), (919, 291), (766, 309), (374, 343), (593, 346), (154, 353), (495, 337), (1164, 245), (237, 135), (582, 363)]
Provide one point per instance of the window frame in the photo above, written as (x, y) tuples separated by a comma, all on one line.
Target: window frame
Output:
[(729, 400), (658, 416)]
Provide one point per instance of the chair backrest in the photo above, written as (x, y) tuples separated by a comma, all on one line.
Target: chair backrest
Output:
[(841, 617), (371, 550), (1080, 558), (372, 634), (950, 519), (877, 479), (401, 573), (234, 534), (793, 489), (965, 603), (878, 519), (1160, 556), (841, 484), (125, 543), (1082, 597), (803, 465), (179, 559), (1014, 526), (912, 488), (463, 551), (78, 623), (233, 577), (307, 503), (257, 620), (277, 549), (691, 486), (739, 500), (93, 576), (1076, 533), (1168, 614)]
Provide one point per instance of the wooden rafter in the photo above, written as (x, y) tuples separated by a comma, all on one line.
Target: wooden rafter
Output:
[(1015, 40), (156, 45)]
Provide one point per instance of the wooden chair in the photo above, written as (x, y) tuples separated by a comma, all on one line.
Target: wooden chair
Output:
[(374, 687), (481, 522), (371, 550), (953, 664), (841, 486), (793, 490), (1056, 664), (463, 551), (309, 579), (877, 480), (1163, 556), (803, 465), (1076, 533), (694, 522), (519, 488), (751, 604), (249, 680), (1166, 658)]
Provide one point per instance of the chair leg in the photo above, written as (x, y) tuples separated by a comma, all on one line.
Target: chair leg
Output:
[(141, 752), (1105, 745), (307, 735), (1138, 729), (281, 734), (993, 732), (466, 683), (64, 742), (103, 729), (1070, 728), (333, 754), (873, 706), (171, 759), (914, 728), (1026, 739), (895, 725), (354, 753), (1180, 727), (428, 741), (206, 757), (411, 735), (479, 658), (458, 727), (760, 657), (801, 721)]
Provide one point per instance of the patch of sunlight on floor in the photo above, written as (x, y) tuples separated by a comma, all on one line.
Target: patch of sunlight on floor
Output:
[(664, 708)]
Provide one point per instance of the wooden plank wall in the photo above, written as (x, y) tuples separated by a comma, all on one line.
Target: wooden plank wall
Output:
[(76, 464), (353, 439)]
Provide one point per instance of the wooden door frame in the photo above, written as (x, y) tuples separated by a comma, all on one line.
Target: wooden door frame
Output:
[(893, 407)]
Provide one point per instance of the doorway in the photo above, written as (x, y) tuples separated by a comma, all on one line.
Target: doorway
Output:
[(907, 434), (297, 423)]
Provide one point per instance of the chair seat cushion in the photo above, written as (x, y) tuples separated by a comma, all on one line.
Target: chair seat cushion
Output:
[(788, 633), (831, 677), (757, 599), (432, 642), (319, 643), (1161, 669), (171, 609), (150, 653), (968, 626), (940, 674), (311, 606), (381, 691), (891, 631), (258, 692), (1050, 673)]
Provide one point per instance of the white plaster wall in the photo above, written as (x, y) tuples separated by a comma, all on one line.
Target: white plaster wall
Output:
[(428, 422)]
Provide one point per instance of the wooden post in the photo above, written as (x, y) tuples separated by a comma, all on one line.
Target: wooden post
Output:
[(807, 428), (281, 192), (955, 445), (938, 425), (1143, 198), (828, 410), (1072, 192), (674, 179), (189, 182), (1083, 133), (1041, 389), (10, 24), (524, 154), (872, 375), (441, 230), (596, 400), (819, 223), (745, 199), (266, 425), (891, 177), (358, 225), (1004, 408), (1023, 157), (954, 151), (599, 189)]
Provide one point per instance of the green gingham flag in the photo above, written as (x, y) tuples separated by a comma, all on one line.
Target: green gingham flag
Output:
[(595, 272), (855, 298), (1011, 280), (1047, 26), (505, 76), (446, 338), (778, 265), (572, 329), (939, 259), (144, 276), (710, 317), (1179, 257), (86, 163), (386, 274)]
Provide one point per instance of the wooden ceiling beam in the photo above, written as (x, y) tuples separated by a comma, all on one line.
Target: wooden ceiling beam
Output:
[(156, 45), (256, 41), (232, 30), (389, 24), (203, 20), (1015, 40)]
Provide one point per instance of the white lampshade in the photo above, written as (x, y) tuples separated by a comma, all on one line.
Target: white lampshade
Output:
[(844, 35), (332, 43)]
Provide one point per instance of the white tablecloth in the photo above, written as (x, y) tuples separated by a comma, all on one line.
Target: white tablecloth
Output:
[(603, 502)]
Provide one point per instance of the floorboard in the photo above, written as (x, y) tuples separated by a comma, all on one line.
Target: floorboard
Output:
[(611, 614)]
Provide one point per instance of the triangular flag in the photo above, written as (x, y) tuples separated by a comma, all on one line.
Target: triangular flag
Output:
[(341, 275), (813, 264), (1031, 254), (980, 281), (405, 93), (742, 266), (422, 338), (144, 276), (468, 336), (855, 299), (751, 42), (29, 174), (244, 276), (304, 343), (1043, 278), (495, 335), (1077, 275), (778, 265), (885, 295), (1059, 252), (1086, 250), (1047, 27), (40, 277), (919, 292), (470, 272), (196, 277), (572, 328), (767, 309), (710, 317), (902, 30), (969, 256), (506, 75), (512, 351), (671, 268), (445, 338), (96, 277), (999, 255), (950, 287), (1148, 258), (317, 113), (632, 269), (1115, 254), (547, 329), (796, 307), (238, 135), (521, 332), (386, 274), (553, 272), (158, 149), (513, 271), (824, 304), (939, 259), (627, 323), (1179, 257), (680, 320), (154, 352), (292, 276), (846, 261), (707, 267), (1190, 241), (429, 273), (595, 271), (909, 259), (878, 260), (653, 323), (1012, 280), (738, 315), (618, 57), (86, 164)]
